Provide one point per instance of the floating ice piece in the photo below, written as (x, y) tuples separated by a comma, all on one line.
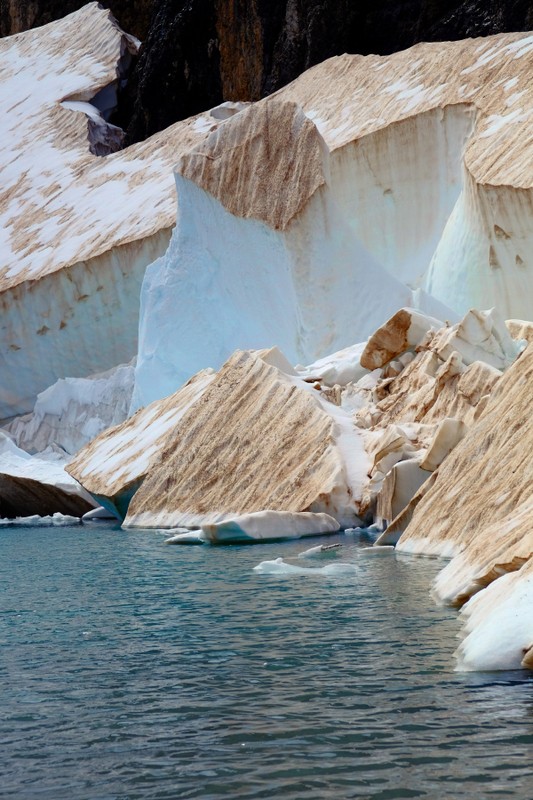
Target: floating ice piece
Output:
[(377, 550), (56, 520), (269, 525), (280, 567), (185, 536), (375, 529), (322, 550)]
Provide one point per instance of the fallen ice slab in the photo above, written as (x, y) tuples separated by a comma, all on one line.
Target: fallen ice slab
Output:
[(280, 567), (269, 525), (35, 521), (99, 514)]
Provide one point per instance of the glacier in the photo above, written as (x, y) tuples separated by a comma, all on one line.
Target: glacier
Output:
[(77, 229), (368, 184)]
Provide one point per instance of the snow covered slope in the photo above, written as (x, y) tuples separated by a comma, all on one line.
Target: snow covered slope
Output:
[(76, 230), (312, 216)]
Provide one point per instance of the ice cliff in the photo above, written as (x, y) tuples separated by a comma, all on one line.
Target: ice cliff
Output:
[(367, 184)]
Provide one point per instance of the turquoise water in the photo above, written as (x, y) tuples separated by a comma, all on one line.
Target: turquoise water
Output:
[(134, 670)]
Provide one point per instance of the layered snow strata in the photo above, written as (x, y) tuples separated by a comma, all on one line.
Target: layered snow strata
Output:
[(113, 466), (498, 625), (262, 253), (76, 230), (258, 440), (479, 510), (75, 410), (37, 485)]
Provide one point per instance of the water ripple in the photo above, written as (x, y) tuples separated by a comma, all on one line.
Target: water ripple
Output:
[(133, 670)]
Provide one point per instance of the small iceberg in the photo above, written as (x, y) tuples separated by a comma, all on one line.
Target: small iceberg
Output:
[(280, 567), (187, 537), (321, 551), (377, 550)]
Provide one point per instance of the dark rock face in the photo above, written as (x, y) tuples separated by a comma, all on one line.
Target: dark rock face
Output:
[(19, 15), (178, 70), (202, 52), (198, 53)]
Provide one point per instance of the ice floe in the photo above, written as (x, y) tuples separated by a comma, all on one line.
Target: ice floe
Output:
[(280, 567)]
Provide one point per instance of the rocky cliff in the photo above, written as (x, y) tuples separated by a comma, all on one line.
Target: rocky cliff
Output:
[(205, 51), (20, 15), (200, 52)]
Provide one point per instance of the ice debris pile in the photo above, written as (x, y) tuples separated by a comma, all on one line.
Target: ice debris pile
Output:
[(233, 449), (479, 513), (387, 430)]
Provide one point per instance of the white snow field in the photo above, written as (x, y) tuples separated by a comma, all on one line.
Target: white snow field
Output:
[(367, 184), (77, 230)]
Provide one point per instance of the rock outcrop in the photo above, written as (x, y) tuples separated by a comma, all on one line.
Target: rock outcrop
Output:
[(204, 51), (77, 230), (17, 16)]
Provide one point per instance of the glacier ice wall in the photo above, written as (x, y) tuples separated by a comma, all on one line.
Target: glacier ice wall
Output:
[(304, 281)]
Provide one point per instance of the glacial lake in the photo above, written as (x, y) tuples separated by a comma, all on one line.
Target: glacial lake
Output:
[(131, 670)]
